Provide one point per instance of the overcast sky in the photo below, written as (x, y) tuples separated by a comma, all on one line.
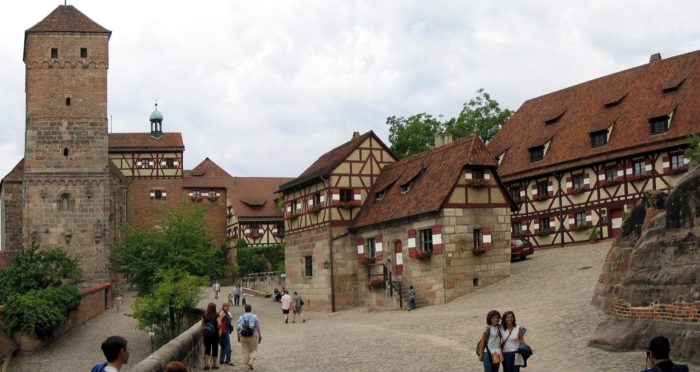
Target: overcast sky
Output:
[(263, 88)]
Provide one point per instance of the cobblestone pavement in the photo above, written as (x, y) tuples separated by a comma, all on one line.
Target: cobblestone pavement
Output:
[(80, 349), (550, 293)]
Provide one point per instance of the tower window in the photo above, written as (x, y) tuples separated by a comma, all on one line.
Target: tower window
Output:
[(65, 202), (67, 101), (83, 52), (536, 153), (65, 151), (54, 53)]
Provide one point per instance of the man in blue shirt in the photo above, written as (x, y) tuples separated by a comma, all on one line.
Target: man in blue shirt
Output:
[(249, 343), (237, 295)]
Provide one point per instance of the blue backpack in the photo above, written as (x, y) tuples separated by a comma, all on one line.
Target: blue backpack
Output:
[(99, 367)]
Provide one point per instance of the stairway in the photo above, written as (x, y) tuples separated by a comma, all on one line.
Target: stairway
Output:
[(420, 300)]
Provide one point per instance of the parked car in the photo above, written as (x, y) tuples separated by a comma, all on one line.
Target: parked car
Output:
[(520, 248)]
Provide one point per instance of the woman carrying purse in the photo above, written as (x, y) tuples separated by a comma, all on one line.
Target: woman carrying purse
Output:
[(490, 343)]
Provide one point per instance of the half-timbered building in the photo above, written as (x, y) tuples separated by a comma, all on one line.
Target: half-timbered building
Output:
[(436, 221), (319, 207), (577, 159), (253, 211)]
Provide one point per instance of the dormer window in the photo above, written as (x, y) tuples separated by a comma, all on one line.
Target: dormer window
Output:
[(615, 101), (380, 195), (554, 118), (405, 187), (659, 124), (672, 86), (599, 138), (478, 174), (536, 153), (346, 195), (144, 163)]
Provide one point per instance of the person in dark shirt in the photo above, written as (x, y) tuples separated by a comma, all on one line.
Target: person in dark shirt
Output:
[(657, 357)]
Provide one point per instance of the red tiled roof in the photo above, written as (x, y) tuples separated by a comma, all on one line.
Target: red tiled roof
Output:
[(324, 165), (437, 170), (7, 346), (206, 174), (144, 141), (254, 197), (66, 18), (640, 94)]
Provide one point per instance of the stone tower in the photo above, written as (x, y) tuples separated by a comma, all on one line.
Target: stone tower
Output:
[(69, 195)]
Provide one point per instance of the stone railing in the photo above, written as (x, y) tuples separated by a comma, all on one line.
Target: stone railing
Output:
[(263, 282), (187, 348)]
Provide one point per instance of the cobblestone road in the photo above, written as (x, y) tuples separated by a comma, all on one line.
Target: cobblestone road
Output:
[(550, 293)]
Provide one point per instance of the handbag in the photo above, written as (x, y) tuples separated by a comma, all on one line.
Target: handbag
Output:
[(496, 356)]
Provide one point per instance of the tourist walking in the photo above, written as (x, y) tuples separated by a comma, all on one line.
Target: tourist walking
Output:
[(216, 288), (249, 335), (243, 303), (237, 294), (658, 357), (225, 329), (489, 345), (298, 304), (210, 336), (513, 335), (117, 353), (286, 301), (411, 298)]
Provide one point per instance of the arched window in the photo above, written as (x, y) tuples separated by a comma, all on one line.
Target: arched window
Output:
[(65, 202), (67, 101)]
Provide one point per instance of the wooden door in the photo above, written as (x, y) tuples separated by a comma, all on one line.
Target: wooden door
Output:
[(616, 222)]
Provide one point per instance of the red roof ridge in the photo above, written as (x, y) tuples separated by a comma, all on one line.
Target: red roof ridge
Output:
[(67, 18)]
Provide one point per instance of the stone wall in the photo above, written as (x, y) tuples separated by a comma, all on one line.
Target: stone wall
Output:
[(649, 286), (187, 348), (11, 217)]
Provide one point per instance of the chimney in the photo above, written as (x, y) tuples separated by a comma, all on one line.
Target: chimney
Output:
[(442, 139), (355, 135), (656, 57)]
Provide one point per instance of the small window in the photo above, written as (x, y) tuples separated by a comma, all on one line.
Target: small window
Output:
[(212, 194), (317, 199), (54, 53), (158, 194), (517, 227), (426, 240), (478, 238), (380, 195), (672, 86), (169, 163), (544, 224), (554, 118), (83, 52), (143, 164), (371, 246), (611, 174), (346, 195), (405, 188), (580, 219), (536, 153), (65, 151), (515, 192), (542, 189), (599, 139), (638, 168), (308, 266), (478, 174), (196, 194), (577, 181), (677, 161), (659, 125), (65, 202), (67, 101)]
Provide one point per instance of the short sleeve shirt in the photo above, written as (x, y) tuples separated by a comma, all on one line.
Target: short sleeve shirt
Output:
[(286, 302), (247, 317)]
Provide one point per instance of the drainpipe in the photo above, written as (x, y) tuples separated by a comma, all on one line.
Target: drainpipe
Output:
[(330, 248), (558, 176)]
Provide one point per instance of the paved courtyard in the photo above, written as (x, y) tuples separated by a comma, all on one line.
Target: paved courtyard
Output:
[(550, 293)]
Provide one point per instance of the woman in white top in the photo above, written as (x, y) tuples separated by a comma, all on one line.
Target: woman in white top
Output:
[(512, 337), (489, 346)]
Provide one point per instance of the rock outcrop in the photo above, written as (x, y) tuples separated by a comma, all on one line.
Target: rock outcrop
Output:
[(650, 282)]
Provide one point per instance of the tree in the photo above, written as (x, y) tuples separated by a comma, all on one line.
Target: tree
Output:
[(175, 295), (481, 115), (693, 151), (183, 244)]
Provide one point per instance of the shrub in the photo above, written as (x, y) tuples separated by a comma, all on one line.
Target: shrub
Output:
[(39, 312)]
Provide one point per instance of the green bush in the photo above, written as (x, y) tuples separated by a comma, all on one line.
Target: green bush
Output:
[(260, 259), (39, 312)]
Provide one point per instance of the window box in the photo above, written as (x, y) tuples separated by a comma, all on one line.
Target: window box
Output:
[(539, 197), (678, 170), (637, 177), (350, 204), (375, 283), (424, 255), (608, 183), (580, 227), (575, 191), (366, 261), (277, 234), (544, 232), (314, 208), (479, 183), (254, 235)]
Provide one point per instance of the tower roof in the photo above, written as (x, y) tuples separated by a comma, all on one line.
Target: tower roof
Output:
[(66, 18), (156, 115)]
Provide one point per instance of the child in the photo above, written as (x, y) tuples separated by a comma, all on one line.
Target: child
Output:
[(243, 299)]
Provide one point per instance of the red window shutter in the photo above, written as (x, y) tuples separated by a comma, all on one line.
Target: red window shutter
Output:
[(534, 189), (360, 256), (378, 238), (568, 181), (152, 194), (666, 163), (586, 177), (437, 239), (572, 221), (486, 241), (589, 213), (379, 254), (335, 191), (550, 188), (412, 247), (360, 241)]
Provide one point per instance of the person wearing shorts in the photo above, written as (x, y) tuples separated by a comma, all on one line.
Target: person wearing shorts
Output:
[(297, 308), (286, 301)]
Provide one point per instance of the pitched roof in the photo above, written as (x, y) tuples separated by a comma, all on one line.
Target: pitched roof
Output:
[(325, 164), (254, 197), (206, 174), (435, 172), (16, 174), (624, 101), (144, 141), (7, 346), (66, 18)]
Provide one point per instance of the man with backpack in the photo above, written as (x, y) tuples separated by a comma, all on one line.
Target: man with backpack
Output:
[(116, 352), (249, 335), (298, 305)]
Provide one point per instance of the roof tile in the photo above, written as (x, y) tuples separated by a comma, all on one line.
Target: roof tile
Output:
[(66, 18)]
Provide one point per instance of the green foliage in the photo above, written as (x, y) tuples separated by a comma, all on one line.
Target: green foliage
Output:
[(34, 269), (260, 259), (184, 244), (481, 115), (693, 152), (39, 312), (175, 294)]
